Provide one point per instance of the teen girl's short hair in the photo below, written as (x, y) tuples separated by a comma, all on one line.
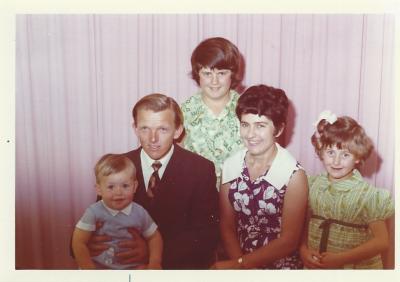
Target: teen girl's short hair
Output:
[(344, 133), (266, 101), (219, 53), (113, 163), (158, 102)]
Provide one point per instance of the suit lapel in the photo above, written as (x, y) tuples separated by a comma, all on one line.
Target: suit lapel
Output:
[(172, 166), (167, 182)]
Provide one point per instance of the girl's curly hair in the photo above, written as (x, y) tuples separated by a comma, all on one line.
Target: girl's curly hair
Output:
[(346, 133)]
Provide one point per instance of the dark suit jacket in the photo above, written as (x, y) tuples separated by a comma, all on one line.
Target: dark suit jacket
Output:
[(185, 209)]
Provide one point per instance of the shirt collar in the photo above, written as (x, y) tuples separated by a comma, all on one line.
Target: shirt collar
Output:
[(342, 185), (276, 176), (147, 161), (126, 210), (229, 107), (281, 168)]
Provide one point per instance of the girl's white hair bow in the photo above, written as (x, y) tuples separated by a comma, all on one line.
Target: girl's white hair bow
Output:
[(326, 115)]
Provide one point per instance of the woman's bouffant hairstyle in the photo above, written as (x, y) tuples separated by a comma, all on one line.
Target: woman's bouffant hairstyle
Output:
[(219, 53), (345, 133), (158, 102), (266, 101), (112, 163)]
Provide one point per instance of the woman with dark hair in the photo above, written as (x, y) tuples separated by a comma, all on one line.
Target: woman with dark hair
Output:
[(263, 197)]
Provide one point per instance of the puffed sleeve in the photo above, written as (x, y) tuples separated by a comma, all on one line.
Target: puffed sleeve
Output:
[(379, 206), (311, 179), (311, 191)]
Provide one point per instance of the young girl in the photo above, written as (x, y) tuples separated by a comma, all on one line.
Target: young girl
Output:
[(211, 126), (346, 222)]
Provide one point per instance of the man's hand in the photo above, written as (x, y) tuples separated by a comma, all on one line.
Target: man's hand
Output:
[(97, 243), (136, 249)]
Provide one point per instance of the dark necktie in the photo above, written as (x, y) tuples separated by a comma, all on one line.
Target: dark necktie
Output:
[(154, 180)]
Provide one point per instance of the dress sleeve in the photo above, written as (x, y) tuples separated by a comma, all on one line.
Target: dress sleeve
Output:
[(185, 108), (184, 111), (379, 206), (311, 179)]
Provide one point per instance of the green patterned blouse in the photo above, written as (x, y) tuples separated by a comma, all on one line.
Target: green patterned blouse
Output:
[(352, 201), (213, 137)]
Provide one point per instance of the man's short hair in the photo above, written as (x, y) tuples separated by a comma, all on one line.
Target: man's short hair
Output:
[(158, 102)]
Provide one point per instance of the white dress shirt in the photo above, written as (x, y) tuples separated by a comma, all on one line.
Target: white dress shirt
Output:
[(146, 162)]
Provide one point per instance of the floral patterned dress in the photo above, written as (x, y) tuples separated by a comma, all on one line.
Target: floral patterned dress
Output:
[(213, 137), (258, 206)]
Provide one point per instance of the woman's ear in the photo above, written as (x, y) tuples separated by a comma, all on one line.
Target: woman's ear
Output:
[(279, 130)]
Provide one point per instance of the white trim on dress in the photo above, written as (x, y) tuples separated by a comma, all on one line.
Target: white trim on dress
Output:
[(278, 175)]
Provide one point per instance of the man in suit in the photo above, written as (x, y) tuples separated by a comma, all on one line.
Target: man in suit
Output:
[(184, 202)]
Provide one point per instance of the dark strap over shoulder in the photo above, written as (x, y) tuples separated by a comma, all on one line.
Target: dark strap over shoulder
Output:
[(325, 226)]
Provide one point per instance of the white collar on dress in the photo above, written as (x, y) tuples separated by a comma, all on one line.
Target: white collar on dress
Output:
[(281, 168), (277, 176), (126, 210)]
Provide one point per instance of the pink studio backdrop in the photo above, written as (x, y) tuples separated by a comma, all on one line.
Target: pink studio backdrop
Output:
[(78, 76)]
